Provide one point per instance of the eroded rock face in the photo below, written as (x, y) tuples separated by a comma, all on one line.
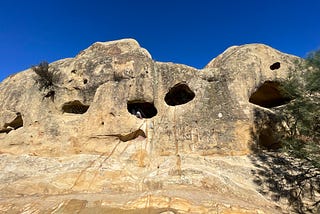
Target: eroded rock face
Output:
[(133, 133)]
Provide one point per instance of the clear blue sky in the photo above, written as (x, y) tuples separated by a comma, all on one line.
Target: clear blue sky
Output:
[(190, 32)]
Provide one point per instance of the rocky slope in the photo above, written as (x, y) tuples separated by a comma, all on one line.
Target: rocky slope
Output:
[(119, 132)]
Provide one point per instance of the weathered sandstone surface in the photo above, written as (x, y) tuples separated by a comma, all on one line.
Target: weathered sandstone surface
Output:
[(119, 132)]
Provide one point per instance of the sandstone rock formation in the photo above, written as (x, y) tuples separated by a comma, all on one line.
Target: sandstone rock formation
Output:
[(121, 132)]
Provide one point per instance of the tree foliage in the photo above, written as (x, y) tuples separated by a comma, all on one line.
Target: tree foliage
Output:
[(302, 114), (46, 78), (300, 138), (313, 78)]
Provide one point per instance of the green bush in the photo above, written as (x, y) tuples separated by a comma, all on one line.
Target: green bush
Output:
[(302, 114)]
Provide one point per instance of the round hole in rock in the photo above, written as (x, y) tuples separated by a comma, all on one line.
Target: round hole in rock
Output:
[(269, 95), (275, 66), (74, 107), (179, 94), (142, 109), (85, 81)]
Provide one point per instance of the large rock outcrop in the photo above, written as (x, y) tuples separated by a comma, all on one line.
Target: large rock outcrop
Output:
[(120, 131)]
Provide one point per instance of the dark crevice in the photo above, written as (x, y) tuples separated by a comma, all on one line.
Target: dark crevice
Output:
[(126, 137), (269, 95), (132, 135), (142, 109), (5, 130), (265, 132), (13, 125), (275, 66), (267, 140), (50, 95), (74, 107), (179, 94), (210, 79)]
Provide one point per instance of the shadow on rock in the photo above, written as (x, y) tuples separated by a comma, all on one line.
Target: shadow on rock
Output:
[(293, 184)]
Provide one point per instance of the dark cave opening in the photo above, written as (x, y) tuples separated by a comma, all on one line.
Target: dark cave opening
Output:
[(267, 140), (266, 130), (14, 124), (74, 107), (179, 94), (17, 122), (269, 95), (142, 109)]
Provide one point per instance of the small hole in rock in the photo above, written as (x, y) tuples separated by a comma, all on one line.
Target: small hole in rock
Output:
[(102, 123), (51, 95), (85, 81), (14, 124), (74, 107), (17, 122), (142, 109), (275, 66), (179, 94), (73, 71)]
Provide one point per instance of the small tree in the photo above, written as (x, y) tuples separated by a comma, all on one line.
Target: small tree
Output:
[(301, 135), (47, 79), (302, 114), (313, 78)]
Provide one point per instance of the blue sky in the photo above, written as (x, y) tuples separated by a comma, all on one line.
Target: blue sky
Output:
[(190, 32)]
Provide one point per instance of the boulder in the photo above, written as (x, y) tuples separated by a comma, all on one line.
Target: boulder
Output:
[(118, 131)]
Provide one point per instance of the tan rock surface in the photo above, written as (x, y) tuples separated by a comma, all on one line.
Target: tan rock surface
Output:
[(127, 134)]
